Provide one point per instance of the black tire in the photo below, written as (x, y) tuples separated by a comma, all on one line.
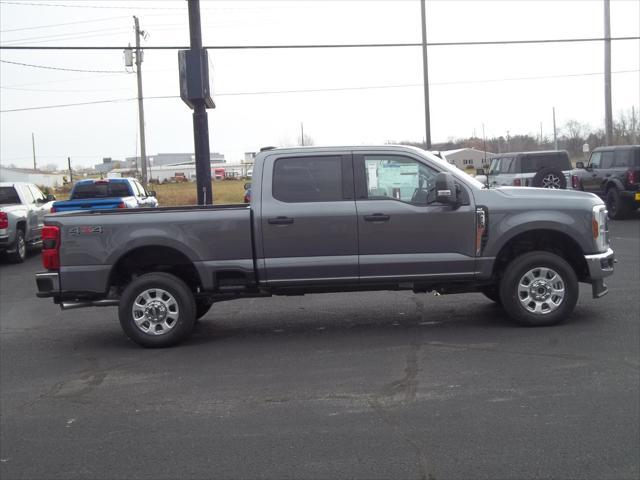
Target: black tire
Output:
[(203, 305), (177, 303), (492, 294), (549, 177), (615, 206), (20, 253), (528, 270)]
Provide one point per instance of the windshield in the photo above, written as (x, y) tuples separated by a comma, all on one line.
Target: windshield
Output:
[(8, 195), (100, 190)]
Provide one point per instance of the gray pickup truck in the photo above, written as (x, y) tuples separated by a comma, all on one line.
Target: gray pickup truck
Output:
[(332, 220), (22, 210)]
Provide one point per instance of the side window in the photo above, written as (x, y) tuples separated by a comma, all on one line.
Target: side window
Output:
[(596, 157), (622, 158), (607, 160), (28, 196), (308, 179), (399, 178), (140, 189), (37, 194)]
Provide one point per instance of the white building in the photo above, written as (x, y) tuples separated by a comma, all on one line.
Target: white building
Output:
[(467, 158), (44, 179)]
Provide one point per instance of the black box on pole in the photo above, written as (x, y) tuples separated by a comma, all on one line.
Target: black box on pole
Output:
[(194, 78)]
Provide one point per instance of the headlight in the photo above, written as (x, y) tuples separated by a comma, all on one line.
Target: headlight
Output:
[(600, 227)]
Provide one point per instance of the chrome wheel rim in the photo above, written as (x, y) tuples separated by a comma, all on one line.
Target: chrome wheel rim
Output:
[(22, 247), (541, 291), (551, 181), (155, 311)]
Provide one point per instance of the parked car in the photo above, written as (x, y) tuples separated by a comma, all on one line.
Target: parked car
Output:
[(247, 193), (544, 169), (22, 210), (613, 173), (106, 194), (338, 219)]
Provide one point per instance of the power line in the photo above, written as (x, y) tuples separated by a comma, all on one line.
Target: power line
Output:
[(63, 69), (104, 7), (69, 35), (53, 25), (314, 90), (327, 45)]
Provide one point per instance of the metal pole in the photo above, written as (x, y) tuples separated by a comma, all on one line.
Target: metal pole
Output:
[(555, 134), (541, 134), (425, 70), (143, 148), (70, 171), (33, 150), (200, 118), (608, 114), (302, 134)]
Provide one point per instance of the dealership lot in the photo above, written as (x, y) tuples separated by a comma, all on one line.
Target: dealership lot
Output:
[(367, 385)]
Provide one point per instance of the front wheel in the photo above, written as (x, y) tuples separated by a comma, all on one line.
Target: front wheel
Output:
[(539, 289), (157, 310)]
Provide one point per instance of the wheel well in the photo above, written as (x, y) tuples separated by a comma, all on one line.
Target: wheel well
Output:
[(22, 225), (552, 241), (154, 259)]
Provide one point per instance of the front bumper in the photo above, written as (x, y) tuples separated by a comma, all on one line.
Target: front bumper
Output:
[(48, 284), (600, 266)]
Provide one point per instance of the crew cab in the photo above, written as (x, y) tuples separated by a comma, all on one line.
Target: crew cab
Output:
[(106, 194), (612, 173), (22, 210), (332, 219)]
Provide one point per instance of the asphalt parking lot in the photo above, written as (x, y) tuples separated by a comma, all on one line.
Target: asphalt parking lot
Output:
[(369, 385)]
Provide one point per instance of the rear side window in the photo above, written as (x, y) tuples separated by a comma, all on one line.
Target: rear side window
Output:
[(622, 158), (8, 196), (308, 179), (535, 163), (607, 159), (100, 190)]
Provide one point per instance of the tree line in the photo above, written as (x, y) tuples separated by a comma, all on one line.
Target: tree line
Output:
[(571, 137)]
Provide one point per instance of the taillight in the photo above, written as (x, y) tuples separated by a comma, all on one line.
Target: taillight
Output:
[(632, 176), (517, 182), (122, 205), (575, 182), (51, 247), (4, 220), (53, 210)]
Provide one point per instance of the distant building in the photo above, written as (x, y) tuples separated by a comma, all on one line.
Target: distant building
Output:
[(467, 158), (45, 179), (160, 159), (107, 165)]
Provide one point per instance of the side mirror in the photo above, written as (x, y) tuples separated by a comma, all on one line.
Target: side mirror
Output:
[(51, 198), (446, 191), (247, 186), (579, 164), (480, 171), (152, 193)]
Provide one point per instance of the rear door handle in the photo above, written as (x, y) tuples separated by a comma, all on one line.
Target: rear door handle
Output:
[(377, 217), (280, 221)]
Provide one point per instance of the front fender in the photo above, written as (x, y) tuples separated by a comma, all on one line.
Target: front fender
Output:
[(508, 226)]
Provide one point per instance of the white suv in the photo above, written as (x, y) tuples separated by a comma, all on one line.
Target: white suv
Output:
[(544, 169)]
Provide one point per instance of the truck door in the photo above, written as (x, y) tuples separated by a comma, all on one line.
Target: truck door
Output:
[(404, 234), (308, 219), (593, 177)]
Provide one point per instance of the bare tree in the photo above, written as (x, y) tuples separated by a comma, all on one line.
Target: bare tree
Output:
[(306, 140)]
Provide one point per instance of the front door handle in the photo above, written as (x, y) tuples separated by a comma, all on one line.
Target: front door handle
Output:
[(377, 217), (280, 221)]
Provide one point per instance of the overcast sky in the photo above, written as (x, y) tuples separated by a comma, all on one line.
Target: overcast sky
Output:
[(470, 85)]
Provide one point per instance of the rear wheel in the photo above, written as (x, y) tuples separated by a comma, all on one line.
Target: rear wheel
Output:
[(616, 208), (539, 289), (157, 310), (20, 252)]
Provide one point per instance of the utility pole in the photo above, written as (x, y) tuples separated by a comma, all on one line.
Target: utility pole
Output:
[(143, 148), (425, 71), (33, 150), (484, 140), (541, 134), (200, 118), (608, 114), (70, 171), (301, 134), (555, 134), (508, 142)]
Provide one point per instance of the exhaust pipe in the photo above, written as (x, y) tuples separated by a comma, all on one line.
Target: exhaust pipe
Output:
[(95, 303)]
